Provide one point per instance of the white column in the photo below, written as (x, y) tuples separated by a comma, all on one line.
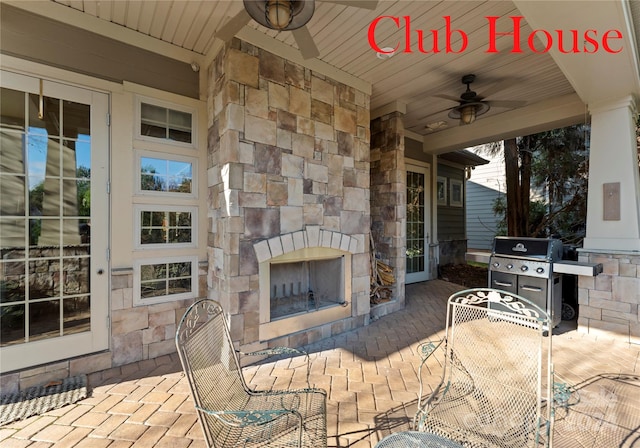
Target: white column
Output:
[(613, 163)]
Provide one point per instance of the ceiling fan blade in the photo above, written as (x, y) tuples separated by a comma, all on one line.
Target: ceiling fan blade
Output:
[(235, 24), (448, 97), (498, 86), (508, 104), (422, 119), (363, 4), (305, 43)]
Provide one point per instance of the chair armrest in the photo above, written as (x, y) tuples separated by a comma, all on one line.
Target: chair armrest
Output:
[(249, 418), (561, 394), (426, 349), (564, 394)]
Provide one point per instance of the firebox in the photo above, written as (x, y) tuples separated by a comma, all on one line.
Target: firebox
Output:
[(306, 286), (304, 289)]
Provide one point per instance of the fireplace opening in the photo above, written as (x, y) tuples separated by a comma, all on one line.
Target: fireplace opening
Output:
[(306, 286)]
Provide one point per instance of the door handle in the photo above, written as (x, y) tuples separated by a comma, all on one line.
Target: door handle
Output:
[(531, 288)]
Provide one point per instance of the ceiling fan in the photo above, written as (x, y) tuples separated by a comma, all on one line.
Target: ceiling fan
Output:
[(284, 15), (471, 105)]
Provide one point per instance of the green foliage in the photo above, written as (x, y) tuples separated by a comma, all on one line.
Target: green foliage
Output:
[(560, 166), (559, 162), (559, 170), (500, 211), (537, 213), (84, 191), (36, 199)]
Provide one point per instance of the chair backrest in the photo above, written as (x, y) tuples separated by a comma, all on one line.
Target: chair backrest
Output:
[(210, 362), (497, 363)]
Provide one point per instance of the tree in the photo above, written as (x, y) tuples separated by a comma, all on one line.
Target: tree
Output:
[(36, 198), (149, 181), (517, 162), (560, 166), (84, 191), (556, 163)]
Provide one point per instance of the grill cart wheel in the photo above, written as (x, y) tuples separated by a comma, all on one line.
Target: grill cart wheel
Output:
[(568, 312)]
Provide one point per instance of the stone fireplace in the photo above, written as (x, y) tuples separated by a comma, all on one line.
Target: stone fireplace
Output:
[(289, 214)]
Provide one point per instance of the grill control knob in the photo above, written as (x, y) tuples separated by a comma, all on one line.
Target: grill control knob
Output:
[(509, 266), (540, 270), (524, 268), (496, 264)]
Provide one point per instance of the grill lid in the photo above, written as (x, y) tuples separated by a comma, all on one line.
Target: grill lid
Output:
[(549, 249)]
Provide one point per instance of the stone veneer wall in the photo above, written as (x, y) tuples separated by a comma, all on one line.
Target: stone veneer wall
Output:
[(138, 333), (609, 302), (288, 148), (388, 199)]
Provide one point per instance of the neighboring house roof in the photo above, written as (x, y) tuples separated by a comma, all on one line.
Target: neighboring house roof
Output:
[(463, 157)]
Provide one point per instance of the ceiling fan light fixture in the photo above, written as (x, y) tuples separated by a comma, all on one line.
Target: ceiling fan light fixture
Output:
[(281, 15), (278, 13), (468, 112), (468, 115)]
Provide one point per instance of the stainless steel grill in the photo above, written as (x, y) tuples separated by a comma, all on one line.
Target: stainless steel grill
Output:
[(524, 266)]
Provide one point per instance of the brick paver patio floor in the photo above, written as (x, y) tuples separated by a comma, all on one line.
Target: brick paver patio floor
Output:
[(370, 375)]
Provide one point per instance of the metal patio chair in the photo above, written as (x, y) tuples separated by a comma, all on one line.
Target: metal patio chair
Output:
[(494, 391), (231, 414)]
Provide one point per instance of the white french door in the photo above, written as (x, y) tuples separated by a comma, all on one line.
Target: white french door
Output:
[(418, 195), (53, 221)]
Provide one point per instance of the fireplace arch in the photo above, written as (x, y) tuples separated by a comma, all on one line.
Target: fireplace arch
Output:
[(305, 280)]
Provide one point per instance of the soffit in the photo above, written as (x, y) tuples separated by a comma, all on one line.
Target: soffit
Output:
[(340, 32)]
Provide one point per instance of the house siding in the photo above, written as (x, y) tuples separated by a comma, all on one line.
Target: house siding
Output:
[(451, 220), (486, 184), (53, 43), (451, 223), (481, 221)]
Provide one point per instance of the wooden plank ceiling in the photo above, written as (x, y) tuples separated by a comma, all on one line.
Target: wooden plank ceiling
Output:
[(340, 33)]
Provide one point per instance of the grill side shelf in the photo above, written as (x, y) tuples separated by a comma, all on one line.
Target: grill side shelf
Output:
[(577, 268)]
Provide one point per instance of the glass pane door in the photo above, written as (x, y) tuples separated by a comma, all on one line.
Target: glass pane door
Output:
[(417, 224), (47, 193)]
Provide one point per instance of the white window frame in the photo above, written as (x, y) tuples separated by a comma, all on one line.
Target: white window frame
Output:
[(170, 157), (137, 277), (452, 202), (167, 105), (139, 208)]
